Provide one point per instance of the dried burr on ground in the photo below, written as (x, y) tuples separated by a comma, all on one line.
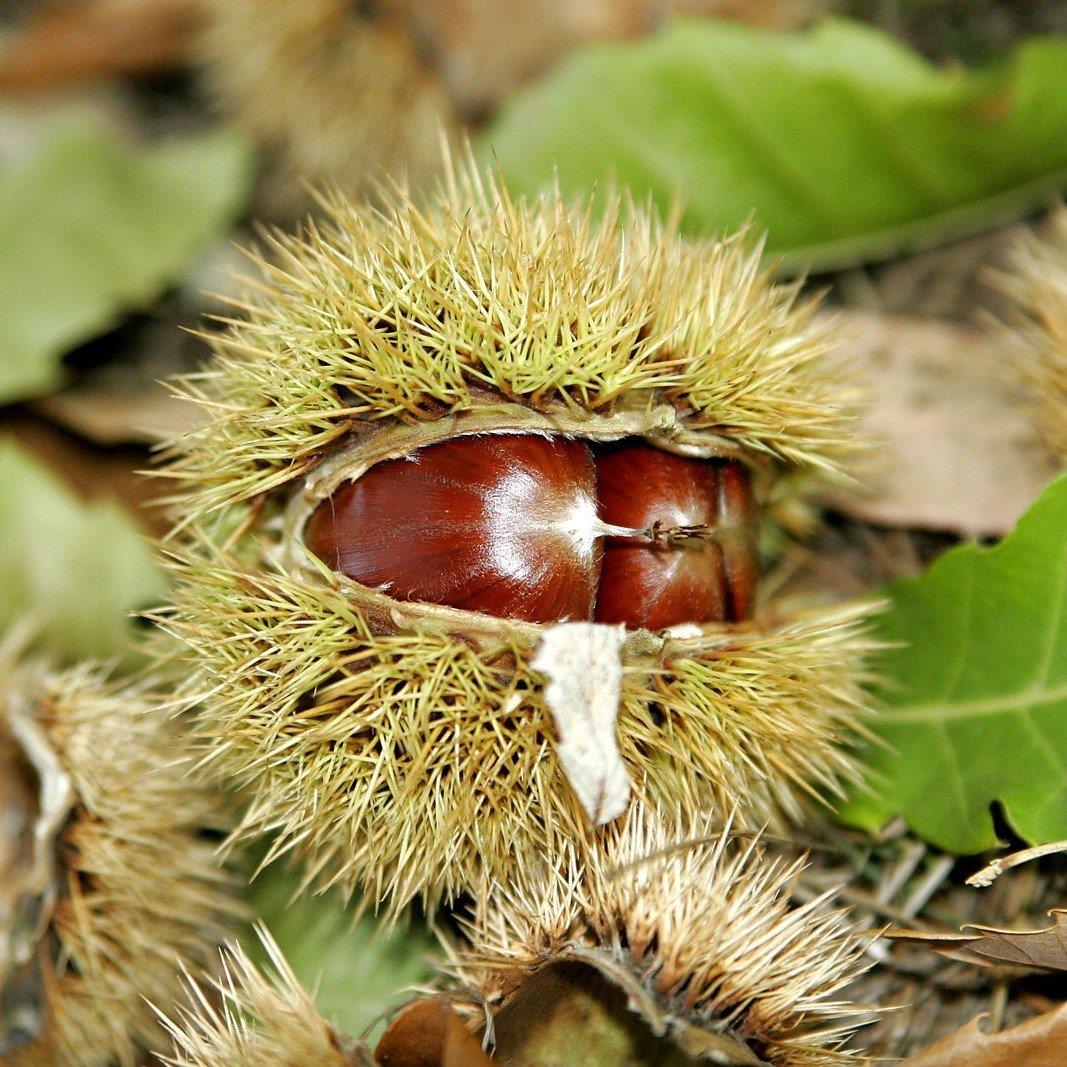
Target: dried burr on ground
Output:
[(119, 890), (253, 1018), (333, 94), (696, 934), (638, 949)]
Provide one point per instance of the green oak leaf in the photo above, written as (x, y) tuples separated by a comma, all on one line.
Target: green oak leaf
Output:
[(91, 230), (974, 691), (357, 971), (838, 141), (77, 571)]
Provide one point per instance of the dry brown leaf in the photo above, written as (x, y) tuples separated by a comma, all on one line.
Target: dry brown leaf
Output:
[(111, 417), (1044, 950), (74, 42), (1039, 1042), (484, 49), (956, 450), (429, 1033)]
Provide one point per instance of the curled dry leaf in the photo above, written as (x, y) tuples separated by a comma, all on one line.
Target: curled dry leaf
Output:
[(1044, 950), (1038, 1042), (956, 453), (429, 1033), (995, 868)]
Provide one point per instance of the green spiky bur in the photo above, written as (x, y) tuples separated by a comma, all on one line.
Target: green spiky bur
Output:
[(406, 748), (405, 314), (417, 746), (695, 934)]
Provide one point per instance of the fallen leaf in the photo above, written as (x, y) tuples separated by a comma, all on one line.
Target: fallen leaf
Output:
[(357, 970), (841, 143), (77, 570), (582, 663), (955, 451), (1043, 950), (429, 1033), (1038, 1042), (483, 66), (92, 475), (972, 687), (92, 229), (112, 417)]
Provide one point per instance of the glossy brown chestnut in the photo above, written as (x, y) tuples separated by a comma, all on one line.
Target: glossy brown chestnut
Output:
[(654, 584), (501, 523), (740, 539)]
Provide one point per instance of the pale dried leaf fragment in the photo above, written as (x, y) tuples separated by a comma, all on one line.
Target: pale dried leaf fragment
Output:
[(1044, 949), (583, 665), (955, 448), (1038, 1042), (111, 416)]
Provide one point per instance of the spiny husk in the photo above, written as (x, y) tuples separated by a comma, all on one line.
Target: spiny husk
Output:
[(336, 95), (407, 313), (701, 931), (255, 1019), (408, 746), (1038, 284), (415, 761), (140, 890)]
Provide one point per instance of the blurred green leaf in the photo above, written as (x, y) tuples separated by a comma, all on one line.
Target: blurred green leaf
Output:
[(357, 971), (91, 230), (78, 570), (974, 691), (840, 142)]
